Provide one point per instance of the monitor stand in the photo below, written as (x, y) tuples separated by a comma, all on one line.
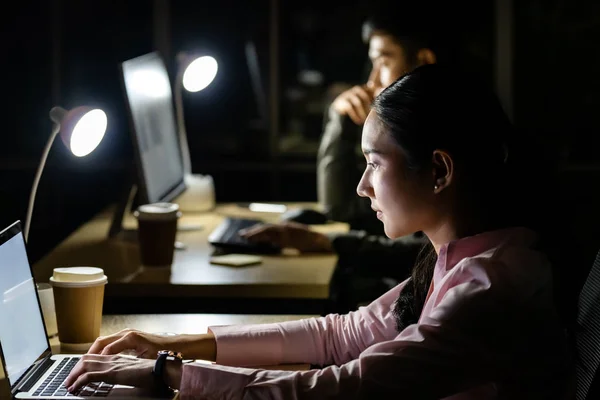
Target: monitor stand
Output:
[(124, 205)]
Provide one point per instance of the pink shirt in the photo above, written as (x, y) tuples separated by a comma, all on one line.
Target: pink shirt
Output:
[(488, 330)]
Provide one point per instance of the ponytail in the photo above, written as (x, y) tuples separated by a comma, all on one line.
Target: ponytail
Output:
[(410, 302)]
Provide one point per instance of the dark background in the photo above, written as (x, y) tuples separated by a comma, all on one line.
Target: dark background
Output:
[(67, 52)]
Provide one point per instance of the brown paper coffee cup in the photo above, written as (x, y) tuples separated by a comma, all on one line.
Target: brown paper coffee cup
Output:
[(157, 230), (78, 299)]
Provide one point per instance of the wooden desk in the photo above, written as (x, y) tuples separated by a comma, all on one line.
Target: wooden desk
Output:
[(191, 275), (176, 323)]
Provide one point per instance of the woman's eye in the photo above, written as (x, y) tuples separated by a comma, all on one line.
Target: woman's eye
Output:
[(372, 165)]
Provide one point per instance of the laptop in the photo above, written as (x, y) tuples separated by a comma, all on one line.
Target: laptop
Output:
[(31, 369)]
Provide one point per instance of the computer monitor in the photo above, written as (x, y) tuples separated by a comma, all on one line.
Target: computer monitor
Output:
[(257, 79), (159, 172), (149, 101)]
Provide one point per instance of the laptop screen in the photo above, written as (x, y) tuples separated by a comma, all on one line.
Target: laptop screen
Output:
[(22, 333)]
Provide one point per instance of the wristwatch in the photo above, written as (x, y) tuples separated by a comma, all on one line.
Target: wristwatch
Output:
[(159, 368)]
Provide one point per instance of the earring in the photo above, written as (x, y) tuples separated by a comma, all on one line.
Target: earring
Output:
[(436, 187)]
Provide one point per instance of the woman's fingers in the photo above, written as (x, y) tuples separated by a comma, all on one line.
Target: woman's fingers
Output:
[(104, 341), (130, 340), (86, 378), (87, 363)]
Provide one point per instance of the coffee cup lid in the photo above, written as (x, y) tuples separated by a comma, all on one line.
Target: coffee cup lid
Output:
[(158, 211), (78, 277)]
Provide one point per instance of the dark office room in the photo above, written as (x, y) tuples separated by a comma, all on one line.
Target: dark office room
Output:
[(284, 199)]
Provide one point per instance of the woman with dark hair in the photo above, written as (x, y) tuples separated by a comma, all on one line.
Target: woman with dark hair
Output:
[(400, 36), (475, 320)]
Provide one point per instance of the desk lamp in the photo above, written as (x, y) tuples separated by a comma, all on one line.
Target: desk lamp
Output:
[(81, 130), (193, 74)]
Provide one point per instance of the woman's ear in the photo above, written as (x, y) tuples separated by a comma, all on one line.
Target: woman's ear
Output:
[(426, 56), (442, 170)]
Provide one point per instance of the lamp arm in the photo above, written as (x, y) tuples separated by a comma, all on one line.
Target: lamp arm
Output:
[(183, 142), (36, 180)]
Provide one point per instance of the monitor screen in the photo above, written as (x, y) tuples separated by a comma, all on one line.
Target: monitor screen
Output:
[(150, 105), (22, 333)]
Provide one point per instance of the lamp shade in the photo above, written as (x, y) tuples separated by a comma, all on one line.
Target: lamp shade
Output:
[(199, 72), (81, 129)]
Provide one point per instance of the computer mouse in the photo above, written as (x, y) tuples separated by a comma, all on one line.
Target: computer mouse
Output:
[(304, 216)]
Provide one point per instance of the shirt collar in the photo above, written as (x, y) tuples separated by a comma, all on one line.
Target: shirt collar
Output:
[(453, 252)]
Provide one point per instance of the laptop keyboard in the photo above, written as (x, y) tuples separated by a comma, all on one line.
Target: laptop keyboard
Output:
[(53, 385)]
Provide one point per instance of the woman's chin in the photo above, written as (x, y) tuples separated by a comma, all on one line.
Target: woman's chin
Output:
[(394, 232), (391, 233)]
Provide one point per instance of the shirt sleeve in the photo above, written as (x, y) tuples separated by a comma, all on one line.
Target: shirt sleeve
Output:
[(466, 340), (333, 339)]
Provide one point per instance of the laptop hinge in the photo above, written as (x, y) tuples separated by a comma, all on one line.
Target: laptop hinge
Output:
[(34, 373)]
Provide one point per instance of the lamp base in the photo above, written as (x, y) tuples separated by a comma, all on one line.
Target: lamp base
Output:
[(199, 195)]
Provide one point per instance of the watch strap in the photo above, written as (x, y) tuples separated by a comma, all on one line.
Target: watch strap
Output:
[(158, 371)]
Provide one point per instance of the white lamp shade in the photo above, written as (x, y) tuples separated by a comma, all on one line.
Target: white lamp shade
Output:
[(81, 129), (200, 73), (88, 132)]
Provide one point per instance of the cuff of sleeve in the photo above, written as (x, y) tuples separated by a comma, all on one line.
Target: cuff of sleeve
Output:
[(233, 349), (212, 381)]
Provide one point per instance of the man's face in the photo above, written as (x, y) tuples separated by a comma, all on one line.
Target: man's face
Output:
[(389, 62)]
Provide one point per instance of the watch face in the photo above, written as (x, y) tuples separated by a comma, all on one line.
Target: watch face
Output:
[(175, 354)]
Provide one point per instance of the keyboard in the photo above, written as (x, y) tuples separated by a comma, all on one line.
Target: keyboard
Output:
[(53, 384), (226, 238)]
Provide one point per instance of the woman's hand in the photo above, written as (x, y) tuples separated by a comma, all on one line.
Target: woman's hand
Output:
[(289, 235), (147, 345), (122, 370), (144, 345)]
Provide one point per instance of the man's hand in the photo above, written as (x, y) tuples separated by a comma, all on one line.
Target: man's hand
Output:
[(289, 235), (355, 103)]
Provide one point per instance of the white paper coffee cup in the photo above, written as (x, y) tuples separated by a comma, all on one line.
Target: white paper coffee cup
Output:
[(78, 299)]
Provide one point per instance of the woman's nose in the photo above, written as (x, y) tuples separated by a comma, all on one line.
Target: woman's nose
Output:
[(364, 188)]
